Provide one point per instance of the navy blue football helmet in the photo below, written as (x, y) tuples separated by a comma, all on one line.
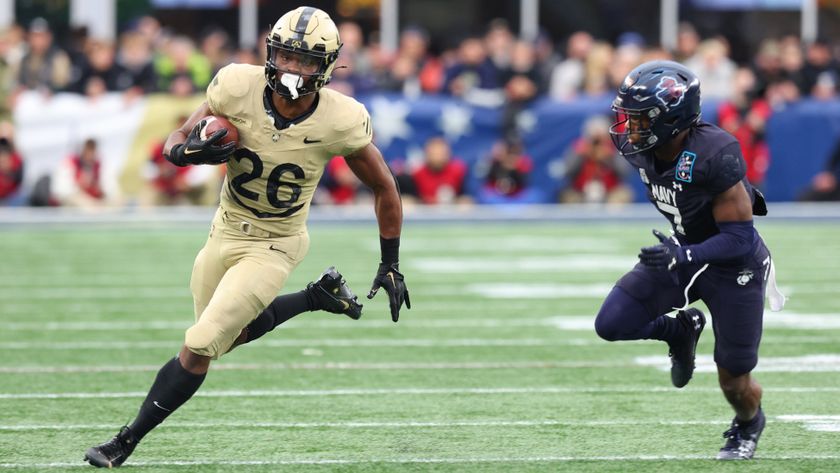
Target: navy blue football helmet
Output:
[(656, 101)]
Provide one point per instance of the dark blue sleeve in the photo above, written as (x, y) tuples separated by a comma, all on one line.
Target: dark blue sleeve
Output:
[(735, 240), (726, 169)]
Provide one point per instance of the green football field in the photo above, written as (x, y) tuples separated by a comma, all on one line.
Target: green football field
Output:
[(495, 368)]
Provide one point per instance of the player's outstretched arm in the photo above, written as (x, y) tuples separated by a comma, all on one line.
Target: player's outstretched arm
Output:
[(184, 145), (368, 165)]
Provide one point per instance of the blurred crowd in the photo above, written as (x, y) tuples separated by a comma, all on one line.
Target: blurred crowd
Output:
[(495, 68)]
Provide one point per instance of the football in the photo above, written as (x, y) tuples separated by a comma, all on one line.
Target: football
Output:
[(216, 123)]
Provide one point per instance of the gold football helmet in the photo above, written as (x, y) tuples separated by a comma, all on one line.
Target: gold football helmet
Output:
[(301, 51)]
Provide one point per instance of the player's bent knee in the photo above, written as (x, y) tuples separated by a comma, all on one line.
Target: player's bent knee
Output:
[(204, 339), (605, 326), (737, 367), (612, 319)]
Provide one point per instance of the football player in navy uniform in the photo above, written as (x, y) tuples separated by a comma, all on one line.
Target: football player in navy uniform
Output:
[(289, 128), (695, 176)]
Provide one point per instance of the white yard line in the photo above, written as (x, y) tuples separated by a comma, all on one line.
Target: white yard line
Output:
[(807, 420), (813, 363), (372, 425), (414, 391), (421, 460)]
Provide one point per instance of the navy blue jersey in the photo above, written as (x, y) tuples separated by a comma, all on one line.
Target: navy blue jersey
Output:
[(709, 164)]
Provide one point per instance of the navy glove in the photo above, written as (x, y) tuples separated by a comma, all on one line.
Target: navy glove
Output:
[(668, 254), (197, 151), (389, 277)]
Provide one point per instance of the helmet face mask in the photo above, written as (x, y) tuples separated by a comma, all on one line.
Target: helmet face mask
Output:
[(303, 46), (656, 102)]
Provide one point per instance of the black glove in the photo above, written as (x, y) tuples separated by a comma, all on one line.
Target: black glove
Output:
[(197, 151), (389, 277), (666, 255)]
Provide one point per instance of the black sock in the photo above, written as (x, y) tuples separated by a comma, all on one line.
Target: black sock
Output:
[(748, 424), (666, 329), (281, 309), (173, 386)]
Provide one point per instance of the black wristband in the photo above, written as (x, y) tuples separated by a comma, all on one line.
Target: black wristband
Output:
[(176, 155), (390, 248)]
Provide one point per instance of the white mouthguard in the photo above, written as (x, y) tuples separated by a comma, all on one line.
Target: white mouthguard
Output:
[(292, 82)]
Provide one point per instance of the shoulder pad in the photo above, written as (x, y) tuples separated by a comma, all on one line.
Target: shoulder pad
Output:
[(236, 80)]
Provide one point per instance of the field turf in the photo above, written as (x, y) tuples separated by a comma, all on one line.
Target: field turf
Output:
[(495, 368)]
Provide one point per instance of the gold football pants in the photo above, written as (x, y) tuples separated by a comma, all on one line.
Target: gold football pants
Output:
[(236, 275)]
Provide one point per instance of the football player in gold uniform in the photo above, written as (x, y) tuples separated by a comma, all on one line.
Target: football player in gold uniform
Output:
[(289, 128)]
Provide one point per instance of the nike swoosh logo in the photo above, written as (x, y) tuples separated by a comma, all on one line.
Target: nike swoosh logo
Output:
[(272, 247), (161, 407), (393, 283), (191, 151), (307, 141)]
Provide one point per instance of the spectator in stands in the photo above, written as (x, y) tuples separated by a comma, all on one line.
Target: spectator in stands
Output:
[(767, 65), (45, 67), (352, 74), (135, 58), (745, 117), (216, 47), (792, 62), (442, 178), (11, 172), (100, 73), (598, 63), (820, 70), (507, 175), (628, 55), (181, 66), (414, 45), (567, 79), (713, 67), (595, 172), (824, 186), (401, 78), (499, 42), (521, 84), (473, 76), (341, 184), (687, 42), (77, 181)]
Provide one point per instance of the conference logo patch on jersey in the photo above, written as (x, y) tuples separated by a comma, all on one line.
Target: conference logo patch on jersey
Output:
[(643, 175), (685, 166), (744, 277), (670, 92)]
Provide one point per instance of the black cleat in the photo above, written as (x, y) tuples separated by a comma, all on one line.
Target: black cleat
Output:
[(332, 294), (741, 441), (682, 350), (114, 452)]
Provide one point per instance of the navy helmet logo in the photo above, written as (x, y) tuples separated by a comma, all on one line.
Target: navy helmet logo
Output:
[(670, 92)]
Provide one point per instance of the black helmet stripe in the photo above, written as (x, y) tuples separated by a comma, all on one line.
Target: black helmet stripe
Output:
[(303, 22)]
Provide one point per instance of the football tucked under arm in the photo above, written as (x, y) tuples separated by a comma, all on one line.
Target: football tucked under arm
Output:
[(209, 142)]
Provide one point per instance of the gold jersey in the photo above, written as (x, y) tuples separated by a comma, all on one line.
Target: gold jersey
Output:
[(273, 174)]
